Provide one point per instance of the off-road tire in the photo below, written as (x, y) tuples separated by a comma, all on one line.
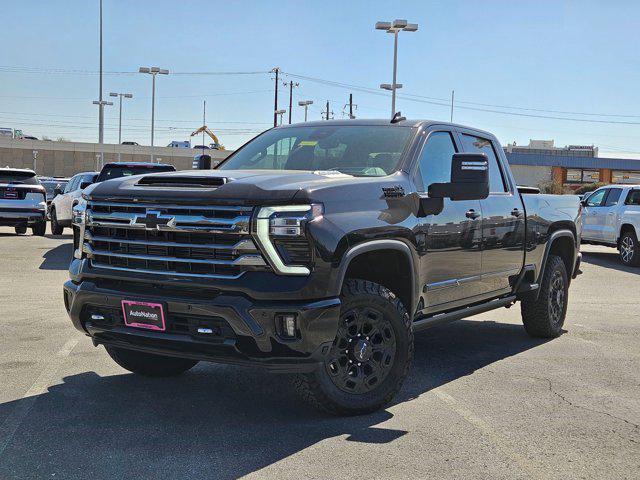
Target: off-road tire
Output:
[(629, 249), (544, 317), (40, 228), (149, 364), (56, 228), (20, 230), (318, 388)]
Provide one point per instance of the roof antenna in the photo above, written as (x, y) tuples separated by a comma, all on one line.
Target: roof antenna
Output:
[(397, 117)]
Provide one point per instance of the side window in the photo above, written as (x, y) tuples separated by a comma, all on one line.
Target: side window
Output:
[(473, 144), (633, 198), (613, 197), (595, 200), (71, 185), (435, 160)]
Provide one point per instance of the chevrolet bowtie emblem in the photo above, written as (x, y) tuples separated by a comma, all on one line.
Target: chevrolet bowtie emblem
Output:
[(153, 220)]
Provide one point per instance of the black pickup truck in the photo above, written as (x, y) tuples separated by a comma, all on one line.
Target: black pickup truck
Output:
[(319, 249)]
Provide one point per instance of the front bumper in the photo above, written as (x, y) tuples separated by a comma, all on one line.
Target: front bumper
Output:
[(245, 331)]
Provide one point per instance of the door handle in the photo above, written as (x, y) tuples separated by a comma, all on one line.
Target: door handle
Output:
[(515, 212), (472, 214)]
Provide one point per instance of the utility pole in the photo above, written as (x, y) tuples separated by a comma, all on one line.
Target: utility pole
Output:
[(204, 121), (276, 70), (291, 85), (101, 105), (327, 112), (452, 95), (351, 106)]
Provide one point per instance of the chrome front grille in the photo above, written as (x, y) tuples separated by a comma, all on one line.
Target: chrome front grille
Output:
[(179, 240)]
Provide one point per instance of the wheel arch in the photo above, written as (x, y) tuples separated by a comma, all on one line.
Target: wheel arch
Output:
[(561, 242), (626, 227), (394, 268)]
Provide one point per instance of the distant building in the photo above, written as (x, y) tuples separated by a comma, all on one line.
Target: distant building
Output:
[(541, 162)]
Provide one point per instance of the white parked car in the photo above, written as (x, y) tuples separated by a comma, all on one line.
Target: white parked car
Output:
[(22, 201), (611, 216), (61, 209)]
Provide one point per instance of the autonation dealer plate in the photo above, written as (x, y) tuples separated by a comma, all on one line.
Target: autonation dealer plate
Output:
[(143, 315)]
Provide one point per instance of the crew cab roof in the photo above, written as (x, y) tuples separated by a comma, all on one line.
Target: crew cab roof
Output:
[(385, 122)]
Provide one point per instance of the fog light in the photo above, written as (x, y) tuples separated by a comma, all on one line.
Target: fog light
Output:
[(287, 325)]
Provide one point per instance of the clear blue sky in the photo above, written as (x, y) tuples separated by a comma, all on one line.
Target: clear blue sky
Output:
[(570, 56)]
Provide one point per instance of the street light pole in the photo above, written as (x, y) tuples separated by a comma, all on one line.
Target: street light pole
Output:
[(101, 104), (121, 95), (395, 27), (280, 113), (305, 104), (153, 71)]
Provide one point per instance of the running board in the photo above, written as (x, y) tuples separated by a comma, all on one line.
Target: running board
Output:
[(438, 319)]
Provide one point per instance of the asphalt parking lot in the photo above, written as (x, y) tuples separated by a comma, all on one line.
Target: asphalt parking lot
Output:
[(483, 400)]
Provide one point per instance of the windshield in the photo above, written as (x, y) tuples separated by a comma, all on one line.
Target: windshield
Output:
[(26, 178), (359, 150), (50, 185), (117, 171)]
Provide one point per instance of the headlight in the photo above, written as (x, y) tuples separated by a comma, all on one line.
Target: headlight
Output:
[(281, 232), (78, 212)]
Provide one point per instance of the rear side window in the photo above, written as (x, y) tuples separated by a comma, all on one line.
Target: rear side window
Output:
[(71, 186), (633, 198), (613, 197), (473, 144), (435, 160)]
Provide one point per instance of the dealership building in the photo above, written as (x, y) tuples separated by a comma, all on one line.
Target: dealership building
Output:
[(541, 162)]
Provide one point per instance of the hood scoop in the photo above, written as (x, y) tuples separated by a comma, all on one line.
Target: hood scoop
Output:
[(186, 181)]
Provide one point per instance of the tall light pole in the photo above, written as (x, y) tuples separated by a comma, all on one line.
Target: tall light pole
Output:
[(101, 104), (280, 113), (121, 95), (305, 104), (395, 27), (153, 71)]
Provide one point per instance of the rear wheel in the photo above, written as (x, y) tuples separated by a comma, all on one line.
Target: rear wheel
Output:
[(21, 230), (370, 356), (629, 249), (149, 364), (56, 228), (544, 317), (40, 228)]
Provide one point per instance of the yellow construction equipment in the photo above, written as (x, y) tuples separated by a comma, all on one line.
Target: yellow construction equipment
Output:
[(216, 143)]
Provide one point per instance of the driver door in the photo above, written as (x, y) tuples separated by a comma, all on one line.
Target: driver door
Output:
[(450, 262), (592, 223)]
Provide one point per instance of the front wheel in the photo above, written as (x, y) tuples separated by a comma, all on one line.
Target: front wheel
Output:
[(370, 356), (629, 249), (149, 364), (544, 317), (56, 228)]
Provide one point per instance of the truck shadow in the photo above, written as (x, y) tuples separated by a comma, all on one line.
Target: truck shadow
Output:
[(57, 258), (608, 260), (215, 421)]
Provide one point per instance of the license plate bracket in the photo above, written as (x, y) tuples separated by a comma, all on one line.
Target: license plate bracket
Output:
[(145, 315)]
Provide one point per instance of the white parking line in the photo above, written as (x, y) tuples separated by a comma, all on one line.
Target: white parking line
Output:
[(532, 470), (11, 424)]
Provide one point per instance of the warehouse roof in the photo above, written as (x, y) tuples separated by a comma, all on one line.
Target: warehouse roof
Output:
[(572, 161)]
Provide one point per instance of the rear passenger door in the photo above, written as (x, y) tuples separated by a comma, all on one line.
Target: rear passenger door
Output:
[(503, 220), (63, 205), (609, 216)]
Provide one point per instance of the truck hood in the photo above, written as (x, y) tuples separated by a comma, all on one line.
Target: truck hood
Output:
[(247, 187)]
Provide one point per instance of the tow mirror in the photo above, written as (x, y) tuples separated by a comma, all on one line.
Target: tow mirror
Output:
[(57, 190), (469, 178), (84, 185)]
